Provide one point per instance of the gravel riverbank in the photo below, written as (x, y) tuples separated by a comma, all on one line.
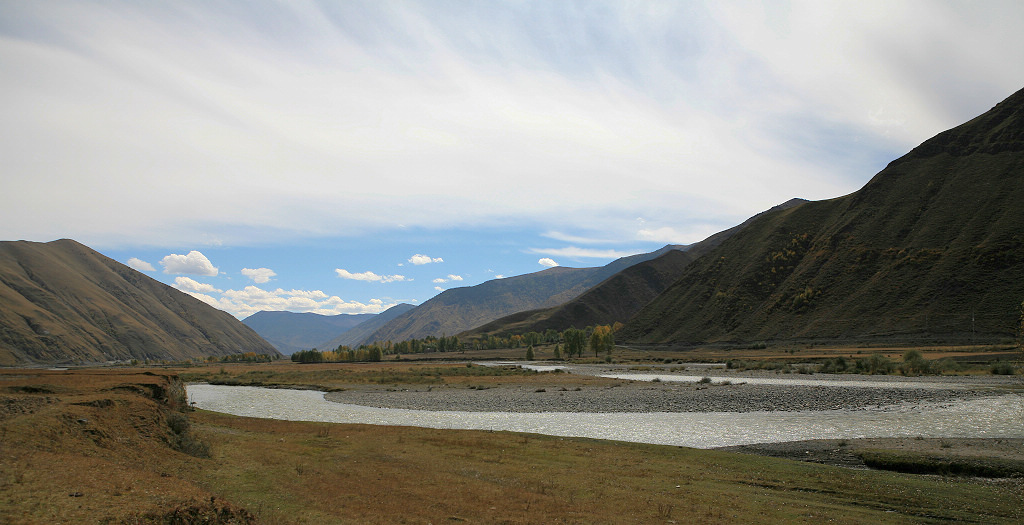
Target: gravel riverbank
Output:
[(639, 396)]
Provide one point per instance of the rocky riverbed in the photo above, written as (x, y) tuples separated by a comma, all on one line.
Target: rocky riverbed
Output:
[(639, 396)]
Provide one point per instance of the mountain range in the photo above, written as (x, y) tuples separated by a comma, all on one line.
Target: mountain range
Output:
[(930, 250), (292, 331), (618, 297), (63, 302), (459, 309)]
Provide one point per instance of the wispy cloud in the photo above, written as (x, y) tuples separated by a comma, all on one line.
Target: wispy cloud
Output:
[(369, 276), (582, 253), (714, 110)]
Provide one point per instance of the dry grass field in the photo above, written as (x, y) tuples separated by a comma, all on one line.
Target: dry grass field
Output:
[(111, 446)]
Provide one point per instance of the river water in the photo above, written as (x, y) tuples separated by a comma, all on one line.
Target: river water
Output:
[(997, 416)]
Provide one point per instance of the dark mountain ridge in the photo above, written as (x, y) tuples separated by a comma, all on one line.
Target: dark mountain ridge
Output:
[(353, 337), (459, 309), (62, 302), (930, 250), (620, 296), (293, 331)]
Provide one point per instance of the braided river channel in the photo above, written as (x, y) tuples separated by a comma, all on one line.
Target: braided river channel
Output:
[(999, 415)]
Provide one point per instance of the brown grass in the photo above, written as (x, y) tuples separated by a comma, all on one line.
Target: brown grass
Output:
[(117, 466)]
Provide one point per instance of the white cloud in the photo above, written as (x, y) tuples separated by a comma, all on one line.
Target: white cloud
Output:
[(258, 275), (245, 302), (187, 284), (419, 259), (453, 277), (550, 263), (582, 253), (195, 263), (440, 280), (369, 276), (751, 106), (438, 288), (140, 265)]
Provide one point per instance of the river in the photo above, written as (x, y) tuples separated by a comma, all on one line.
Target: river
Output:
[(998, 416)]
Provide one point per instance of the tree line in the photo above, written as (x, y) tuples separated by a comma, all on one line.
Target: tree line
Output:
[(569, 343)]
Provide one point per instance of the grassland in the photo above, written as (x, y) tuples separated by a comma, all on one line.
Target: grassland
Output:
[(95, 446)]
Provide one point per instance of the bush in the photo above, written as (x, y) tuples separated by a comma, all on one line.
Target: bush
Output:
[(1002, 368), (914, 363)]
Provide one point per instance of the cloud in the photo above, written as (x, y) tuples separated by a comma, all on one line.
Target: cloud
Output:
[(140, 265), (251, 299), (369, 276), (582, 253), (195, 263), (438, 288), (258, 275), (451, 277), (717, 111), (547, 262), (187, 284), (419, 259)]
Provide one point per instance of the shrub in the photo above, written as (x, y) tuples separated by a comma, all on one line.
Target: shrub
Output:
[(1002, 368)]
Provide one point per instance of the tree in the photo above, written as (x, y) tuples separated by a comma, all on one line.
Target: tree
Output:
[(529, 353), (575, 341), (602, 340), (558, 351)]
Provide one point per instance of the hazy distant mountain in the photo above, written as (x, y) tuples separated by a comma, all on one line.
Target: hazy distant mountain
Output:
[(62, 302), (620, 296), (290, 332), (459, 309), (353, 337), (931, 249)]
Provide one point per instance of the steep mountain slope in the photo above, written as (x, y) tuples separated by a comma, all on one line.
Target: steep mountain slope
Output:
[(459, 309), (62, 302), (292, 331), (354, 337), (620, 296), (931, 249)]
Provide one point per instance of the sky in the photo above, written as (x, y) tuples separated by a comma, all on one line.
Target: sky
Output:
[(346, 156)]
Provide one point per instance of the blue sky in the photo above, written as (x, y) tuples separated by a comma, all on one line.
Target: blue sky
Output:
[(307, 155)]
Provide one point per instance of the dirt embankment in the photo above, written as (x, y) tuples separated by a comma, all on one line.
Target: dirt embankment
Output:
[(82, 447)]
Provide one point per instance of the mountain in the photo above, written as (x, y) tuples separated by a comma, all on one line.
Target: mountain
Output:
[(290, 332), (459, 309), (62, 302), (620, 296), (930, 250), (355, 336)]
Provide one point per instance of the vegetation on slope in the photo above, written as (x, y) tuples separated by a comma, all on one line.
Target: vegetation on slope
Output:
[(931, 249)]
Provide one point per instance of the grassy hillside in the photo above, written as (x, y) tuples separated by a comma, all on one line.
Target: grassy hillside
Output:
[(61, 302), (932, 248)]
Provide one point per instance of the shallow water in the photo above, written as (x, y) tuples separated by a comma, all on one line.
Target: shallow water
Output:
[(1000, 416)]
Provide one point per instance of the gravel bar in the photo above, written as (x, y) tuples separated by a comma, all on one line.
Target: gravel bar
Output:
[(636, 396)]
